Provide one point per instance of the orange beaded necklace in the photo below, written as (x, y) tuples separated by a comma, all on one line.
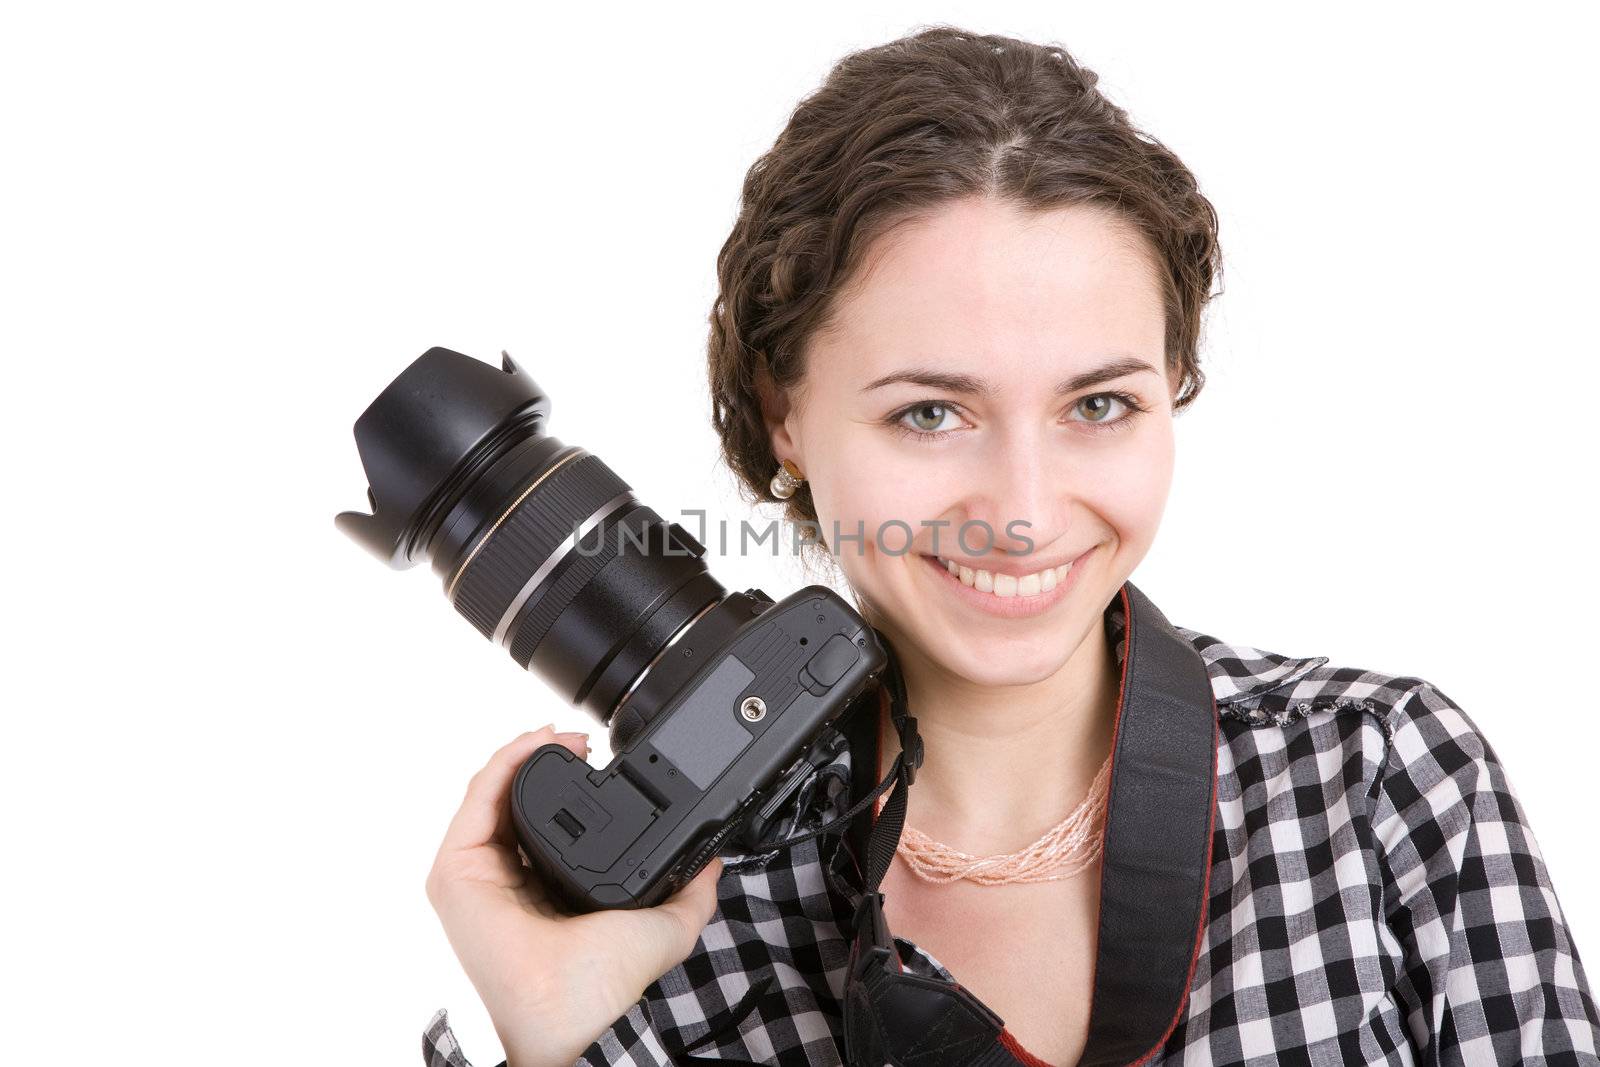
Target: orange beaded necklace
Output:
[(1061, 852)]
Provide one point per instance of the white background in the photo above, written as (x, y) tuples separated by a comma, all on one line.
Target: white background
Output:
[(232, 740)]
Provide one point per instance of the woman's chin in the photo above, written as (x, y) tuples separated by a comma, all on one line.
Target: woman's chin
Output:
[(990, 659)]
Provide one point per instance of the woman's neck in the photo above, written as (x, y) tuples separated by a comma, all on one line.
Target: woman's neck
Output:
[(1001, 765)]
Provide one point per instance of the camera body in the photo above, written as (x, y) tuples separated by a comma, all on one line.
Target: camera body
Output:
[(746, 727), (718, 703)]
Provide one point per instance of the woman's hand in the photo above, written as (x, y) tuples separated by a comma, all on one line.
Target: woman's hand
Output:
[(552, 982)]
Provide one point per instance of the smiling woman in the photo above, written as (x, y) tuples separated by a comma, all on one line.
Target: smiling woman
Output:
[(962, 301)]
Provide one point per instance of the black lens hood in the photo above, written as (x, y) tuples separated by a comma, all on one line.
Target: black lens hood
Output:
[(424, 440)]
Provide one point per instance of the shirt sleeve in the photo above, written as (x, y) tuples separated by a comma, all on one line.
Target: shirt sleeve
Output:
[(439, 1045), (1490, 973), (627, 1042)]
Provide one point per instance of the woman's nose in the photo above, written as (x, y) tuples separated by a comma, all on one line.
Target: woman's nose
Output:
[(1025, 499)]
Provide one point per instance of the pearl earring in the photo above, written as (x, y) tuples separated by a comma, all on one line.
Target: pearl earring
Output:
[(786, 481)]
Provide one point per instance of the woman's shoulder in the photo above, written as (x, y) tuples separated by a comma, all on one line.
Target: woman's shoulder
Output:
[(1405, 723)]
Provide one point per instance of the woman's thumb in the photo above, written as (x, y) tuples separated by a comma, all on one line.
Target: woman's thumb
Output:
[(689, 910)]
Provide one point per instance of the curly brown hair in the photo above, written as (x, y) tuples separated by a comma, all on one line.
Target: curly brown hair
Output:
[(895, 131)]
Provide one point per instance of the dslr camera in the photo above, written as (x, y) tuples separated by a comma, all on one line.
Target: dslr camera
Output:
[(718, 705)]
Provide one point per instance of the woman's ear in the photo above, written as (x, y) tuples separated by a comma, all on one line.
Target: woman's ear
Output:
[(777, 415)]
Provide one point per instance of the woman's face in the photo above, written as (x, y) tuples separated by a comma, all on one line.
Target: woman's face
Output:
[(991, 378)]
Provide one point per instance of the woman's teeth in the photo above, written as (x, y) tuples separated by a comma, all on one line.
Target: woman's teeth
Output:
[(1007, 584)]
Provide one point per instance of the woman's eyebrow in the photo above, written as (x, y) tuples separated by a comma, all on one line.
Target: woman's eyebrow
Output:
[(975, 386)]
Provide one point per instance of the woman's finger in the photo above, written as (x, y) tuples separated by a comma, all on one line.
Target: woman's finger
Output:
[(482, 808)]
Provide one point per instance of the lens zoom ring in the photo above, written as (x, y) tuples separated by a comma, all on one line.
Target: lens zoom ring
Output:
[(522, 543), (539, 616)]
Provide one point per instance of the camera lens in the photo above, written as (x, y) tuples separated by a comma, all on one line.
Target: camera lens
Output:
[(539, 544)]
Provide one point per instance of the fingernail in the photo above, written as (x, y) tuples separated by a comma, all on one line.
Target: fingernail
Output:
[(576, 735)]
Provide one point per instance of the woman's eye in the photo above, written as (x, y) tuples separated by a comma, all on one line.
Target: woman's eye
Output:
[(1098, 408), (929, 418)]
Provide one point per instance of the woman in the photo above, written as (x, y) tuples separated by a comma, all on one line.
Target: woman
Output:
[(958, 311)]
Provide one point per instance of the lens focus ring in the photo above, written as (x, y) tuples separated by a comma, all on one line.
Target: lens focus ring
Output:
[(538, 527)]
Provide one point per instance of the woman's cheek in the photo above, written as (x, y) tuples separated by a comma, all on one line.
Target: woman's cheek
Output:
[(876, 517), (1130, 493)]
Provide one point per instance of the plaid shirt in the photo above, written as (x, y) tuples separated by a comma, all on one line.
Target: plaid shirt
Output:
[(1376, 896)]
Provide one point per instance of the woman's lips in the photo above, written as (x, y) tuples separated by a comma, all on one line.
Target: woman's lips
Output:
[(1009, 607)]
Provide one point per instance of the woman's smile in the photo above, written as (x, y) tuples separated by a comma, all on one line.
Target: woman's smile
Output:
[(1006, 595)]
